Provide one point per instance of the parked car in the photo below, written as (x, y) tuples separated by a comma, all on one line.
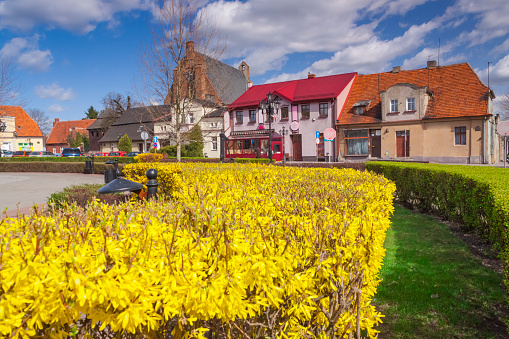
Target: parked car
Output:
[(5, 154), (21, 154), (71, 152), (133, 154), (101, 154), (42, 154), (58, 154), (117, 154)]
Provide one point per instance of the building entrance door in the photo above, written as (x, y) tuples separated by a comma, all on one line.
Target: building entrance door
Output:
[(403, 143), (376, 143), (297, 146)]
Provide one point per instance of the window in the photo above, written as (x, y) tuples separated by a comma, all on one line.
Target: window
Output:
[(214, 143), (252, 115), (357, 142), (210, 97), (304, 111), (112, 146), (394, 105), (323, 109), (359, 109), (410, 104), (460, 135), (284, 113), (191, 118), (239, 115), (213, 124)]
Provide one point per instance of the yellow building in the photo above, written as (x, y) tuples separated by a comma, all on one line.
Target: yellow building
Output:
[(21, 133)]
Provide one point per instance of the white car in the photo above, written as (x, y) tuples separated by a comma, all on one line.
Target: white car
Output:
[(41, 154)]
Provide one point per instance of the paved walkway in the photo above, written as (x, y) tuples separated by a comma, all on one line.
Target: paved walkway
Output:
[(20, 191)]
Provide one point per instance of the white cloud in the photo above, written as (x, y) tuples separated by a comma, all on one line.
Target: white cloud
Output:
[(492, 19), (56, 108), (266, 32), (54, 91), (26, 52), (499, 72), (74, 15), (371, 57)]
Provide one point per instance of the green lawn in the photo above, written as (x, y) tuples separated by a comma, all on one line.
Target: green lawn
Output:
[(433, 287)]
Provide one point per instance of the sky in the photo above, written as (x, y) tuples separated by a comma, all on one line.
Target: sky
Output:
[(70, 53)]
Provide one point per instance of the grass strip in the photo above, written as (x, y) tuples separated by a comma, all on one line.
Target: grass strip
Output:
[(434, 287)]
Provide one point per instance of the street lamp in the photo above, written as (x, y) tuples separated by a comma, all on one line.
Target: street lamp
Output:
[(270, 106), (283, 131)]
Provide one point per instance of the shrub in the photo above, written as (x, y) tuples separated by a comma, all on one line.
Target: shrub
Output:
[(81, 195), (148, 157), (125, 144), (475, 196), (240, 251), (250, 160)]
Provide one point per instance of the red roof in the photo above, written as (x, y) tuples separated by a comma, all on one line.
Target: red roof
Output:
[(311, 89), (456, 92), (25, 126), (63, 129)]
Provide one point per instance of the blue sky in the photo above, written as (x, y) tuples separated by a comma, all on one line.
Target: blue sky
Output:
[(70, 53)]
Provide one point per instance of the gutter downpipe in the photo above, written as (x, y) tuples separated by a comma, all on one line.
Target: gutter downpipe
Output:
[(483, 141)]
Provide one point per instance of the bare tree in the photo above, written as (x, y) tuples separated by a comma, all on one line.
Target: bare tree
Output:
[(10, 87), (163, 74), (503, 104), (42, 120)]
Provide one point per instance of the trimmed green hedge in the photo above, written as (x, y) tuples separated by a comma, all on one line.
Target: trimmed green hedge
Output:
[(475, 196), (121, 160), (53, 167)]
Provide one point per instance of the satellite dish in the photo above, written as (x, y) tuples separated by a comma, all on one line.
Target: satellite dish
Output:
[(294, 126)]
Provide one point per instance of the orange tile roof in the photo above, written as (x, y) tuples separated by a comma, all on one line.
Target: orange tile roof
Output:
[(25, 126), (62, 130), (457, 92)]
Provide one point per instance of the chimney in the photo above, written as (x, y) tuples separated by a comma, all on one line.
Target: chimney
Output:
[(396, 69), (57, 120), (431, 64), (311, 76), (190, 47)]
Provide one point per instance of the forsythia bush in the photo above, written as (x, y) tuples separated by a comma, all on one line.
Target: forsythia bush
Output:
[(168, 175), (240, 251), (148, 157)]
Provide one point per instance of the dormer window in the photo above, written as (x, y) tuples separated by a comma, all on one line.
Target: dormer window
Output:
[(361, 107), (410, 104), (394, 105)]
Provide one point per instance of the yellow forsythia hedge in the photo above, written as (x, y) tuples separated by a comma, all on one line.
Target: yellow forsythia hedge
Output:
[(240, 251), (148, 157)]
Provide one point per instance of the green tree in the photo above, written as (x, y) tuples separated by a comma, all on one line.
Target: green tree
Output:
[(91, 113), (77, 140), (125, 144), (195, 139)]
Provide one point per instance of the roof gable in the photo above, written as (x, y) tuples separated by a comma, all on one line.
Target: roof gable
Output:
[(310, 89), (25, 125), (62, 129), (456, 91)]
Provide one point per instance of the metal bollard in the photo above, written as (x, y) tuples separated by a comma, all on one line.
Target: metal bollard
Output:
[(152, 184)]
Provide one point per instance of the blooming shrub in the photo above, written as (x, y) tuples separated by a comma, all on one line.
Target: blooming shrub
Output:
[(148, 157), (246, 251)]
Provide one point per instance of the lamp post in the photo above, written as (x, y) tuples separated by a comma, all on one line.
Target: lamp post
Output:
[(283, 132), (270, 106)]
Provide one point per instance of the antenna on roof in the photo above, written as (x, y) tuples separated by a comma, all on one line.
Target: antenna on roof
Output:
[(438, 52), (489, 62)]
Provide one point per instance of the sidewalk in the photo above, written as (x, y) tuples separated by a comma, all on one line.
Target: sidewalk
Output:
[(20, 191)]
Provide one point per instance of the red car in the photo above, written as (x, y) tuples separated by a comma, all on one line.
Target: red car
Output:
[(101, 154), (117, 154)]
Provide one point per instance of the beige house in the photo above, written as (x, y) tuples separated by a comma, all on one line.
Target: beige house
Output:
[(436, 114), (19, 131)]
